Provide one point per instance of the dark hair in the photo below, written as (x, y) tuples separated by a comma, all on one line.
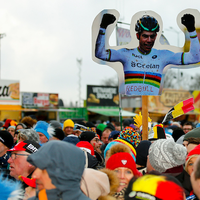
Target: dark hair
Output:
[(166, 123), (23, 125), (90, 124), (189, 123), (192, 140), (177, 133)]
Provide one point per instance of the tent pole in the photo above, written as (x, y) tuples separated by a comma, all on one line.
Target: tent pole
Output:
[(120, 110)]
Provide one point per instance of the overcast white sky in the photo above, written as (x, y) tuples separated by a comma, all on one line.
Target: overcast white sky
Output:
[(45, 37)]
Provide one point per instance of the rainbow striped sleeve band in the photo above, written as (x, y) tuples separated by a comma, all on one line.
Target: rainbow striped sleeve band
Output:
[(149, 78)]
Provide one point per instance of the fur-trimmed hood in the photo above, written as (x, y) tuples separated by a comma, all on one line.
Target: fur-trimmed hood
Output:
[(118, 148), (114, 184)]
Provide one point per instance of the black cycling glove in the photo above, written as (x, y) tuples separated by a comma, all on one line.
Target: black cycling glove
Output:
[(107, 20), (188, 21)]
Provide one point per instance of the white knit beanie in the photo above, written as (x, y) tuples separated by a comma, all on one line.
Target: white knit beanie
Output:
[(165, 154)]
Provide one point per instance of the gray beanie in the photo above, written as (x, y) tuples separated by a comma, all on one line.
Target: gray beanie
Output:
[(55, 124), (30, 134), (195, 133), (165, 154)]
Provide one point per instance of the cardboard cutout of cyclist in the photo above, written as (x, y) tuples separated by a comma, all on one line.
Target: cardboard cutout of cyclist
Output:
[(141, 67)]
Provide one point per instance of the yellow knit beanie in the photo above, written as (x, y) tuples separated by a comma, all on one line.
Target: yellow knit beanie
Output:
[(67, 123)]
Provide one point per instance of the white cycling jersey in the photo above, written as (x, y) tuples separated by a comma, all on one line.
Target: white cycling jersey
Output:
[(143, 72)]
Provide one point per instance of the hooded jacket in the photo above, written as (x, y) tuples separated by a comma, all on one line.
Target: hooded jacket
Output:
[(65, 164)]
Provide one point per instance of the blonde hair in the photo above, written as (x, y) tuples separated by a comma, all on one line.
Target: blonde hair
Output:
[(22, 136)]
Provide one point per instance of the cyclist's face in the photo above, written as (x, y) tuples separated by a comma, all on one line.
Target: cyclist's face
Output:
[(146, 40)]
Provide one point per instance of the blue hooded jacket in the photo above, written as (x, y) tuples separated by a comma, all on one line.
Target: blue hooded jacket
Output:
[(65, 164)]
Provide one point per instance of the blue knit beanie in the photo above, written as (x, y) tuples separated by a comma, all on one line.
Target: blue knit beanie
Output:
[(42, 126), (109, 145)]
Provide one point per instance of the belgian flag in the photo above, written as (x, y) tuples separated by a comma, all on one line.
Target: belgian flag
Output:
[(179, 109)]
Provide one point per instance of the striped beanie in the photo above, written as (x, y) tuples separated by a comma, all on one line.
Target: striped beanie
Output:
[(121, 141)]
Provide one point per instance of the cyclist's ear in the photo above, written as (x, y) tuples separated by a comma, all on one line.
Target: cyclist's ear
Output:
[(138, 36)]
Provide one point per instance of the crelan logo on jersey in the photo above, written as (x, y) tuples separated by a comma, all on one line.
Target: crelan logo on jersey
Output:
[(139, 65), (124, 162)]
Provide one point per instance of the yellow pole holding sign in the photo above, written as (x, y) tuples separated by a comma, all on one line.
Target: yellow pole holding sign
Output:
[(144, 117)]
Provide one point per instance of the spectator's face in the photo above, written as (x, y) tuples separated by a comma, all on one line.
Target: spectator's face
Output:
[(125, 175), (68, 130), (110, 140), (42, 179), (3, 149), (43, 138), (187, 128), (190, 165), (11, 131), (105, 135), (96, 143), (77, 132), (137, 129), (146, 40), (190, 146), (19, 127), (195, 183), (118, 128), (19, 165), (15, 138), (185, 143)]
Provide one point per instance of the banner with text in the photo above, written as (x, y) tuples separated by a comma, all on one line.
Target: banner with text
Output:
[(171, 97), (102, 95), (39, 100), (9, 92)]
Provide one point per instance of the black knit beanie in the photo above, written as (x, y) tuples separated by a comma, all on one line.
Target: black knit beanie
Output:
[(87, 136), (6, 138), (142, 152)]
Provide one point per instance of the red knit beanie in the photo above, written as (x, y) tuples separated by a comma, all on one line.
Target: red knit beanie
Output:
[(195, 151), (122, 159), (84, 145)]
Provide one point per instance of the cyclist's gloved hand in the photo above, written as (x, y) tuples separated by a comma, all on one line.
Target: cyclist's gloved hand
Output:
[(188, 21), (107, 20)]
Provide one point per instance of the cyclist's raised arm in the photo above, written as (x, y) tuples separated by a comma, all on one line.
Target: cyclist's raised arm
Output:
[(193, 56), (100, 51)]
